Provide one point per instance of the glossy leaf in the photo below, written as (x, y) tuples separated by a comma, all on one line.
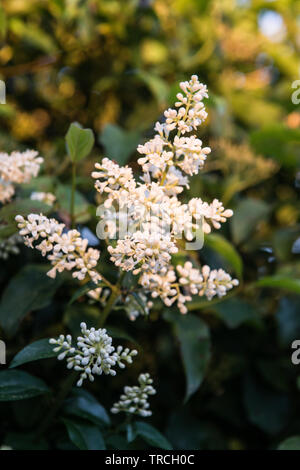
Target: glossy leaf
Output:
[(280, 282), (19, 385), (84, 405), (85, 436), (151, 435), (40, 349), (226, 250), (31, 289)]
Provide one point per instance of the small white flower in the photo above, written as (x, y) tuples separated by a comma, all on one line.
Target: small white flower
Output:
[(66, 251)]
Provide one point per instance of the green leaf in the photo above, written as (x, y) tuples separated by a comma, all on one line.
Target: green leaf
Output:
[(157, 86), (267, 409), (227, 251), (84, 405), (83, 290), (246, 217), (278, 141), (280, 282), (7, 230), (23, 207), (25, 441), (288, 320), (85, 436), (19, 385), (40, 349), (79, 142), (119, 144), (63, 194), (151, 435), (234, 312), (31, 289), (118, 333), (291, 443), (194, 339)]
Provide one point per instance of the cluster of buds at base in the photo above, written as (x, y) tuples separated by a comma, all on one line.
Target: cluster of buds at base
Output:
[(93, 354), (135, 399)]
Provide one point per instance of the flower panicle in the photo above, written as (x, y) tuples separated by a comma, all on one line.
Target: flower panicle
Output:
[(134, 400), (93, 353)]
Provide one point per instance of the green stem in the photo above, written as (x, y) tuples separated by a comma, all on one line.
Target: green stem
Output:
[(108, 307), (72, 208), (116, 291)]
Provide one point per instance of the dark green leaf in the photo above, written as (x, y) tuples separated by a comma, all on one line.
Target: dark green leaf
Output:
[(31, 289), (85, 436), (291, 443), (288, 320), (40, 349), (18, 385), (234, 312), (267, 409), (194, 340), (151, 435), (83, 290), (118, 333), (25, 441), (84, 405)]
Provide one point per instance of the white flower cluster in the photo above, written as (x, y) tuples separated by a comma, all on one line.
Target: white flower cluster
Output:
[(10, 246), (66, 250), (135, 399), (156, 218), (93, 354), (47, 198), (17, 168)]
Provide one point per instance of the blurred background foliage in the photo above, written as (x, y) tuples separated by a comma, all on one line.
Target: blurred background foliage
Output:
[(114, 66)]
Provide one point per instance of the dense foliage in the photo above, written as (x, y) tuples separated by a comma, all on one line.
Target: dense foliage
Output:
[(223, 373)]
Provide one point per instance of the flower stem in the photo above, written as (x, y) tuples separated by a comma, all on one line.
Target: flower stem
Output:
[(72, 208), (115, 293)]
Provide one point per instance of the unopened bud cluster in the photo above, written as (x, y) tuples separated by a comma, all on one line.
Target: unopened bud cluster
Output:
[(10, 246), (93, 353), (135, 399)]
